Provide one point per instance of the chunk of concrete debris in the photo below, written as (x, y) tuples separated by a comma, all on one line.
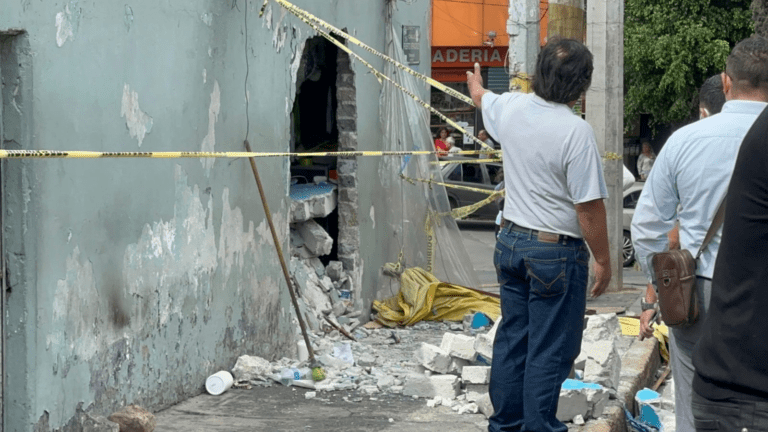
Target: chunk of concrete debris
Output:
[(484, 405), (433, 358), (476, 374), (603, 327), (316, 240), (603, 364), (484, 342), (422, 386), (334, 270), (579, 420), (468, 408), (459, 346), (458, 365), (475, 392), (570, 404), (134, 418), (310, 395), (250, 367), (580, 398)]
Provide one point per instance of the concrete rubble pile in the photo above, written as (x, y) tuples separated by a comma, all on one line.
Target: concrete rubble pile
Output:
[(322, 290), (446, 363)]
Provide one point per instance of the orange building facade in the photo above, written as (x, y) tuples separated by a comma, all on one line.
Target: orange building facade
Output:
[(465, 32)]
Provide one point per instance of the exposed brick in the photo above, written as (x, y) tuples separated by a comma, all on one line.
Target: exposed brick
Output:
[(346, 110), (347, 140), (348, 180), (346, 94), (346, 166), (347, 125)]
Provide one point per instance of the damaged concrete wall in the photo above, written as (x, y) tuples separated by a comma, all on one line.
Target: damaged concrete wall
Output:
[(131, 280)]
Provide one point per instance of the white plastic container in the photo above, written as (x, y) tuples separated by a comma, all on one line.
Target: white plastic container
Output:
[(301, 347), (219, 382)]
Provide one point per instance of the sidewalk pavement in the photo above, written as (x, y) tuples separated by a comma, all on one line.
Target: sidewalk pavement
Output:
[(279, 408)]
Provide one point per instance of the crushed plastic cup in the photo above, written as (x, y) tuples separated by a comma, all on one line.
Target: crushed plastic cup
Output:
[(219, 382)]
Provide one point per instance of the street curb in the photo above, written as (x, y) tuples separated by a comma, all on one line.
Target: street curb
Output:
[(638, 370)]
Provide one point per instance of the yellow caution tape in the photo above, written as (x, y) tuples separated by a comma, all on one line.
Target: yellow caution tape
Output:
[(429, 229), (448, 185), (463, 161), (380, 76), (79, 154), (300, 13), (462, 212)]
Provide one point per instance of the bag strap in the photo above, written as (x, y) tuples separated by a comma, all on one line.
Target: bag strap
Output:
[(717, 222)]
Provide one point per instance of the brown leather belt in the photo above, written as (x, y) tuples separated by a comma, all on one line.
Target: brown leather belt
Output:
[(542, 236)]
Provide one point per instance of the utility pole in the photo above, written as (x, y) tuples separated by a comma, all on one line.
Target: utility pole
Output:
[(605, 112), (523, 29)]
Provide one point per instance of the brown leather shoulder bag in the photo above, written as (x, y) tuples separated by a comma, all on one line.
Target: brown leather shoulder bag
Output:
[(675, 273)]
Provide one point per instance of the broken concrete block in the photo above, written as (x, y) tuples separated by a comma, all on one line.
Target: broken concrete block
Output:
[(316, 240), (446, 386), (334, 270), (433, 358), (484, 342), (134, 418), (326, 284), (317, 265), (603, 327), (570, 404), (365, 359), (597, 400), (315, 297), (251, 367), (386, 382), (476, 374), (475, 392), (485, 406), (459, 345), (458, 365), (603, 365)]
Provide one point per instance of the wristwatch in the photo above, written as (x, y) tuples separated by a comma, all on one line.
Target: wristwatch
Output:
[(647, 306)]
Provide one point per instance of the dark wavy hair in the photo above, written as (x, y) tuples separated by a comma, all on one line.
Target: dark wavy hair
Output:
[(747, 65), (711, 95), (563, 71)]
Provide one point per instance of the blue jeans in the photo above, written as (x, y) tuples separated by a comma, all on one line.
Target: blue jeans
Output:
[(729, 415), (543, 300)]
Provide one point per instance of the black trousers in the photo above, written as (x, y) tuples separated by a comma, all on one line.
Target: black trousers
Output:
[(729, 415)]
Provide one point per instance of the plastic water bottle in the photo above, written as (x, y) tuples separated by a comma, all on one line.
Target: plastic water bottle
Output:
[(289, 375)]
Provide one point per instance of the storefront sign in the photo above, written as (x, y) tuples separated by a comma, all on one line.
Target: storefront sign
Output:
[(444, 57)]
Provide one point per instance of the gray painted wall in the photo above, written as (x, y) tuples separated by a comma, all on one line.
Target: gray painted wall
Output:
[(130, 280)]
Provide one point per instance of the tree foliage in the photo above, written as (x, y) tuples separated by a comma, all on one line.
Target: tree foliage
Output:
[(760, 17), (671, 47)]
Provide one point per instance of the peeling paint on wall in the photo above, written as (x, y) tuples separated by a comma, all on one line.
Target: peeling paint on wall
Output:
[(207, 19), (67, 23), (128, 19), (267, 17), (233, 242), (139, 124), (78, 323), (373, 218), (280, 33), (205, 76), (209, 142)]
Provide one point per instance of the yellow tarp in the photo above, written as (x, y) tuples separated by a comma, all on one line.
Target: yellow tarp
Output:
[(631, 327), (423, 297)]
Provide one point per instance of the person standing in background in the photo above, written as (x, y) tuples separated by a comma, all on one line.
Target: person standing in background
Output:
[(645, 161)]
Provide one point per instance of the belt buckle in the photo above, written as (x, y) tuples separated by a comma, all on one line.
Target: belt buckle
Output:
[(546, 237)]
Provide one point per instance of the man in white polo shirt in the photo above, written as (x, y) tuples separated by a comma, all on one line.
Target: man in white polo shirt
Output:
[(554, 202)]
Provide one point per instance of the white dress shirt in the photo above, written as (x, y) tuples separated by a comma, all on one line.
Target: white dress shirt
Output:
[(693, 171)]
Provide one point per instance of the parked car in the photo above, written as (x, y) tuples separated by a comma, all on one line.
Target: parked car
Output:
[(477, 175), (631, 195)]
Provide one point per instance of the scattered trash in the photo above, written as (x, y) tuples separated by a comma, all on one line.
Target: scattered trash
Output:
[(480, 320), (647, 412), (289, 375), (343, 352), (219, 382)]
